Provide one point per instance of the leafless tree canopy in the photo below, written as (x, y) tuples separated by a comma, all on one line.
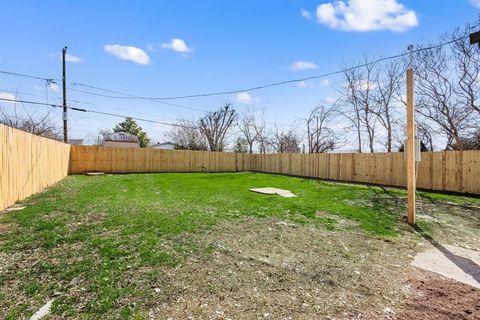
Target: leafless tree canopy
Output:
[(466, 61), (368, 113), (246, 125), (386, 95), (359, 99), (320, 137), (215, 125), (188, 136), (436, 98), (101, 136), (285, 141), (40, 126), (261, 134)]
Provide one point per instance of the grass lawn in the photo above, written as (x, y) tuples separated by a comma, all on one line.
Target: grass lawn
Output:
[(98, 243)]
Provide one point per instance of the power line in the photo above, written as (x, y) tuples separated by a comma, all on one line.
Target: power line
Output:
[(50, 80), (23, 75), (31, 102), (401, 55), (79, 102), (127, 96), (157, 99), (94, 111), (19, 92)]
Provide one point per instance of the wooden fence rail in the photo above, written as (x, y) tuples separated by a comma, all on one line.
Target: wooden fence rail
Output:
[(457, 171), (131, 160), (28, 164)]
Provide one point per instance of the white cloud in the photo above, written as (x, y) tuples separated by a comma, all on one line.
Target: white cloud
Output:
[(177, 45), (330, 100), (54, 87), (367, 15), (303, 65), (302, 84), (306, 14), (325, 83), (311, 84), (6, 95), (362, 85), (246, 98), (128, 53), (475, 3), (72, 58)]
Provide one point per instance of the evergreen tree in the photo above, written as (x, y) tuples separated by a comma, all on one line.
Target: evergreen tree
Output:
[(129, 125)]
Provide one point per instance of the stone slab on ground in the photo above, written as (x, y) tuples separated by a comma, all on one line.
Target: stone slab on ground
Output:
[(452, 262), (15, 207), (43, 311), (280, 192), (94, 173)]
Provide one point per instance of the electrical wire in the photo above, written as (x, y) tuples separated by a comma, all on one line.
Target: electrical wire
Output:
[(239, 90), (23, 75), (129, 96), (274, 84), (80, 102), (97, 112), (52, 80), (19, 92)]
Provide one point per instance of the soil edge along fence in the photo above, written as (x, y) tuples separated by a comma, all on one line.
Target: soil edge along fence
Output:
[(456, 171), (28, 164)]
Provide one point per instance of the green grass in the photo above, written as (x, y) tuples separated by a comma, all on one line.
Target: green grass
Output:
[(100, 243)]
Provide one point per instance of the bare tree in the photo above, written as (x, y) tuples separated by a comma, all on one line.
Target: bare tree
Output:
[(246, 125), (436, 100), (386, 93), (101, 136), (426, 134), (472, 142), (41, 126), (214, 126), (320, 137), (358, 96), (466, 61), (261, 134), (285, 141), (187, 136)]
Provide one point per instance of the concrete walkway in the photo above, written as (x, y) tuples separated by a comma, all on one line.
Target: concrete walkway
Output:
[(456, 263)]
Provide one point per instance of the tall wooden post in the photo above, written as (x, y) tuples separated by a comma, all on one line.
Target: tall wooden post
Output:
[(411, 174), (64, 84)]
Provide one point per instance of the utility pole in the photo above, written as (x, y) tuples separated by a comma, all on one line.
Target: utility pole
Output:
[(64, 80), (410, 147)]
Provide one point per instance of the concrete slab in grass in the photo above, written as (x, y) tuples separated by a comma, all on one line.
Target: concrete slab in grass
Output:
[(280, 192), (452, 262)]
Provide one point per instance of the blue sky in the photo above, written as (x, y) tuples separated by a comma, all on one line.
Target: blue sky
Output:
[(224, 45)]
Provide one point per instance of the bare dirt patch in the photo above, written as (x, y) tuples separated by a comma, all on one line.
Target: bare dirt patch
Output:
[(276, 269), (434, 298)]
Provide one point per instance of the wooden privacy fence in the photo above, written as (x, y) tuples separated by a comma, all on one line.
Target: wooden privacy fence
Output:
[(457, 171), (130, 160), (28, 164)]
